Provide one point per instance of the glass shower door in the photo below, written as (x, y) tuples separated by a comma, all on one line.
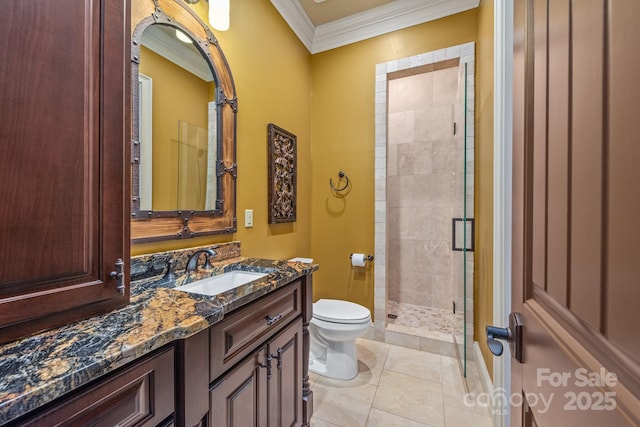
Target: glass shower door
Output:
[(462, 227)]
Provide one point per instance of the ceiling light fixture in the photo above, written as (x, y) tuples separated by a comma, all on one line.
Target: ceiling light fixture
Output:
[(183, 37), (219, 14)]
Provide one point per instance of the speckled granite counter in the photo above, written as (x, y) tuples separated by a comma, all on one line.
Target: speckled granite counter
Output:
[(38, 369)]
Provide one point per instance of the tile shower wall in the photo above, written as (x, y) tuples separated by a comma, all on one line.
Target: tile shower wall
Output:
[(424, 166), (382, 281)]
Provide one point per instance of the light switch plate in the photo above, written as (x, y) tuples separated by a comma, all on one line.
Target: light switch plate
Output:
[(248, 218)]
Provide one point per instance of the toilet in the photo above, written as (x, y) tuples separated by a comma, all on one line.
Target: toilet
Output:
[(333, 330)]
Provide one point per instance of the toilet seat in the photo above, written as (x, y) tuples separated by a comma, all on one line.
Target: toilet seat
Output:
[(338, 311)]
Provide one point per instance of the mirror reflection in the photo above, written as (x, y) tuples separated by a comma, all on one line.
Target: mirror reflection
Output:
[(177, 123)]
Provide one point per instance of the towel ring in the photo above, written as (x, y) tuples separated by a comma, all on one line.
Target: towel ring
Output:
[(341, 174)]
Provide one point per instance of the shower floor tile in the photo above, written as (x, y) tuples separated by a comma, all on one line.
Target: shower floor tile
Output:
[(423, 321)]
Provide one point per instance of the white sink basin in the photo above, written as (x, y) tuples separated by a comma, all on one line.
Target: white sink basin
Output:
[(219, 283)]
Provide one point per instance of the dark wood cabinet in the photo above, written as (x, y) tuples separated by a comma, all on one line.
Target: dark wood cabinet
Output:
[(243, 330), (64, 162), (285, 385), (240, 397), (265, 389), (140, 395), (256, 362)]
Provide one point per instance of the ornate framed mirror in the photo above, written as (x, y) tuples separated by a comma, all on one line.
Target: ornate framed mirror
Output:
[(184, 109)]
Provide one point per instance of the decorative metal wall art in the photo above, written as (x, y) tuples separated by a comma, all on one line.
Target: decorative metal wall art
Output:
[(282, 175)]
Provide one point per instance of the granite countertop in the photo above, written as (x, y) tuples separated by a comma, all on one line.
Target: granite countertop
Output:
[(38, 369)]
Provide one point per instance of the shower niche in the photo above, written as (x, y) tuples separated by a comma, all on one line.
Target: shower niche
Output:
[(424, 200)]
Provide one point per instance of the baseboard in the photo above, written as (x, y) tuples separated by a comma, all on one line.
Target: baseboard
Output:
[(485, 379)]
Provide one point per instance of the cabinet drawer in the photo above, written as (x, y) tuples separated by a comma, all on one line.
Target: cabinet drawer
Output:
[(141, 395), (242, 330)]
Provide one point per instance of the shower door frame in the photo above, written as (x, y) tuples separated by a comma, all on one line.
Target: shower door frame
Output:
[(466, 55)]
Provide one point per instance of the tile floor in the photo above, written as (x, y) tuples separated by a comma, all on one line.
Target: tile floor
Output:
[(398, 386)]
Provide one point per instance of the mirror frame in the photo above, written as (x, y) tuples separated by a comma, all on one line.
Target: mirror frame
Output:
[(149, 226)]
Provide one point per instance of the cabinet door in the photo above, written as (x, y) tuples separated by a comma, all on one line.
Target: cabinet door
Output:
[(239, 399), (141, 395), (285, 384), (64, 177)]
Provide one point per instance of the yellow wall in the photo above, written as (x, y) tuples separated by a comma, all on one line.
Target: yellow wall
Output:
[(483, 291), (343, 139), (278, 81), (272, 73)]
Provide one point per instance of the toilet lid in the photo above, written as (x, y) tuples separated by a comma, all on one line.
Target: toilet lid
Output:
[(337, 311)]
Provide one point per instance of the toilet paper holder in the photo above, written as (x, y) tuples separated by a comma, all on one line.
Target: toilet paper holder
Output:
[(368, 257)]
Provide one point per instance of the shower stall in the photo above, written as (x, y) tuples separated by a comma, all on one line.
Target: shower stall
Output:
[(424, 202)]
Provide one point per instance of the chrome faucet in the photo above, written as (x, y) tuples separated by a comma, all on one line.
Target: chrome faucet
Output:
[(192, 264)]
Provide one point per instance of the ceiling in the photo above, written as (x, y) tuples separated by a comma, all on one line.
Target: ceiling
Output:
[(326, 24)]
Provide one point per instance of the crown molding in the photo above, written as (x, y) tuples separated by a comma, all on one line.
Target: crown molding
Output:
[(295, 16), (364, 25)]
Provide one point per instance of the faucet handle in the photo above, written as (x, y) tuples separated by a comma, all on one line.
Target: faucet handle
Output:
[(170, 274), (210, 253), (207, 262)]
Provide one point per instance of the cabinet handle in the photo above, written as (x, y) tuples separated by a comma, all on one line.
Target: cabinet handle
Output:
[(273, 319), (118, 274), (267, 365), (278, 357)]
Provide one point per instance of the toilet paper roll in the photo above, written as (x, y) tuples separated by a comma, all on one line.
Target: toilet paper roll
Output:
[(358, 260)]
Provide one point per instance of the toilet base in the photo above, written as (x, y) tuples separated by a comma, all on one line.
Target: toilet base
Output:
[(339, 361)]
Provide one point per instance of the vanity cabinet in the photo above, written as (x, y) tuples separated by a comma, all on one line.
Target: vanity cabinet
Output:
[(243, 330), (142, 394), (265, 389), (257, 364), (64, 162)]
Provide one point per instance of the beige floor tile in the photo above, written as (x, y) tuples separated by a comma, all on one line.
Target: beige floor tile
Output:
[(414, 398), (458, 417), (371, 359), (454, 392), (345, 406), (470, 403), (451, 377), (415, 363), (313, 378), (378, 418), (317, 422), (401, 387)]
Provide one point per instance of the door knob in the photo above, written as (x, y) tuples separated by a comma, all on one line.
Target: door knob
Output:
[(512, 334)]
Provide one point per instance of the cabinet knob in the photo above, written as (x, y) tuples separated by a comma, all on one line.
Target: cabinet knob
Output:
[(273, 319)]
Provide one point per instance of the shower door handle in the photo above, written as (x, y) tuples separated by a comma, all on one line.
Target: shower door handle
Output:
[(511, 334), (454, 233)]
